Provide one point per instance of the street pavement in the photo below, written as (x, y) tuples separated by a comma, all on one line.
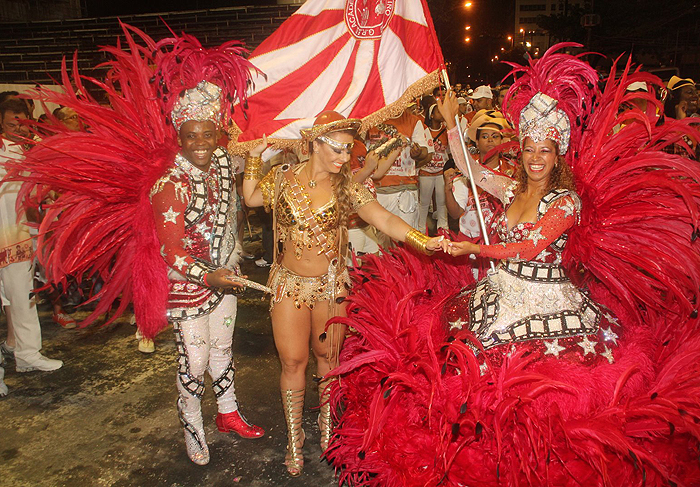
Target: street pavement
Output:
[(108, 417)]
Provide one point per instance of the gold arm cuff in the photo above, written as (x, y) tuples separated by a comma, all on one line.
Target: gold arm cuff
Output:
[(418, 241), (253, 168)]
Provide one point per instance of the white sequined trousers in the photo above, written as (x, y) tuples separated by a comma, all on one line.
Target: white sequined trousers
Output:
[(204, 344)]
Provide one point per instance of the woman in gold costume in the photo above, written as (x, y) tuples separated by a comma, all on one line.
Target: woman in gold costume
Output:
[(310, 203)]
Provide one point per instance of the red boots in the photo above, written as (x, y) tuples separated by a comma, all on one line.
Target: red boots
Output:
[(235, 422)]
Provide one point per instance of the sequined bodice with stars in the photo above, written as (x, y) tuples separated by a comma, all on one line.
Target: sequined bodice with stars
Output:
[(540, 241)]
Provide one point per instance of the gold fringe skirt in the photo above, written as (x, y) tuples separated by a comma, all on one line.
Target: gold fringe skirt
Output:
[(304, 290)]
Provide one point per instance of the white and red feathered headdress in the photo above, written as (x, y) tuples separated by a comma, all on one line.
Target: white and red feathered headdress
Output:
[(551, 98), (201, 84)]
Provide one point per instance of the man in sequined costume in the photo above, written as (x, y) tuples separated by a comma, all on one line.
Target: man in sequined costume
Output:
[(194, 206)]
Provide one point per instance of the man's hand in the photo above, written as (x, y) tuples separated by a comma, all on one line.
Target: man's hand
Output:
[(221, 278), (415, 151)]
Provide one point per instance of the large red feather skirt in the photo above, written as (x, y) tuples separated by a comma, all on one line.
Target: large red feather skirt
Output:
[(416, 407)]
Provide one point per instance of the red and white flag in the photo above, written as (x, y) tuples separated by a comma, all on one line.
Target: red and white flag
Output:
[(363, 58)]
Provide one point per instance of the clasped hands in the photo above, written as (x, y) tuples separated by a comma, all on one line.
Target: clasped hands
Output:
[(452, 248)]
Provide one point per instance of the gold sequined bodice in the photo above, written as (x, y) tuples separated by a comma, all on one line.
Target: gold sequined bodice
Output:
[(292, 225)]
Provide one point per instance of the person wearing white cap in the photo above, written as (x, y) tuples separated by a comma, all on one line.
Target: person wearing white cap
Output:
[(482, 99)]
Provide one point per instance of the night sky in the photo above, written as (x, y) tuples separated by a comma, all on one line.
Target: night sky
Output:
[(657, 35)]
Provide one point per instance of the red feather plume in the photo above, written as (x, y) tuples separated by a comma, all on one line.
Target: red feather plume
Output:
[(102, 223)]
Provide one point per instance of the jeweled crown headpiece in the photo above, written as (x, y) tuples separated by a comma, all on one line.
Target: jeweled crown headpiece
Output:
[(552, 98), (200, 84), (541, 120), (201, 103)]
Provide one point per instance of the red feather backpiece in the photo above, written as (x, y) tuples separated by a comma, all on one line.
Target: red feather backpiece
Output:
[(102, 222), (415, 404)]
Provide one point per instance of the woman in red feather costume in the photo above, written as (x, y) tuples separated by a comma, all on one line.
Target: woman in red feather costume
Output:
[(538, 375), (145, 198)]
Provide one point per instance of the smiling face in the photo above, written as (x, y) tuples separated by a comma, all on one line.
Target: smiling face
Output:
[(689, 95), (539, 160), (331, 155), (198, 142)]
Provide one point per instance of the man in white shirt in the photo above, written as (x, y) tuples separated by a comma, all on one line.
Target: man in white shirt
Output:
[(16, 252)]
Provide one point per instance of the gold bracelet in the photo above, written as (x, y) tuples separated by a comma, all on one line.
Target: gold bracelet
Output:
[(418, 241), (253, 168)]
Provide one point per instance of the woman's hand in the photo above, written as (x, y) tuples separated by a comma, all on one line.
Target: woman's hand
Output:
[(260, 148), (460, 248), (435, 243), (222, 278), (371, 161), (448, 108)]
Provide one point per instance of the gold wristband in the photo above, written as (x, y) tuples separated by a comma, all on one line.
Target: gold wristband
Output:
[(253, 168), (418, 241)]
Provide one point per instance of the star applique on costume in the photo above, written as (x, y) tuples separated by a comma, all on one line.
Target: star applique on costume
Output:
[(553, 348), (536, 235), (543, 255), (608, 355), (187, 242), (180, 262), (459, 324), (610, 318), (609, 335), (170, 216), (568, 208), (587, 345)]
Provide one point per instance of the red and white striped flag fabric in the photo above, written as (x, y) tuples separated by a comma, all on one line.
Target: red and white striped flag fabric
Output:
[(363, 58)]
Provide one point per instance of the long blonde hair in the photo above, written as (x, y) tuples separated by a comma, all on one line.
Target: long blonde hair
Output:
[(341, 186)]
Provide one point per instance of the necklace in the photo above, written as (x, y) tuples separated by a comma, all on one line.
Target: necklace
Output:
[(312, 182)]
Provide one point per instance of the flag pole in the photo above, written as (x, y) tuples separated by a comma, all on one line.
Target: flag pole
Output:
[(479, 213)]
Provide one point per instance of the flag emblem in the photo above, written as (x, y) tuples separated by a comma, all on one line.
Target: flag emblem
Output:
[(367, 19)]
